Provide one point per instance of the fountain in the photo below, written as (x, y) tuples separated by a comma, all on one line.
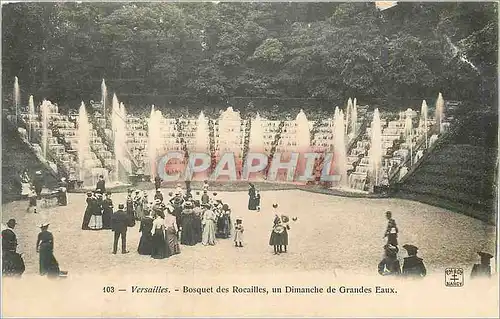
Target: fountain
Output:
[(31, 116), (154, 139), (376, 147), (229, 133), (409, 134), (303, 134), (119, 127), (201, 136), (45, 109), (17, 97), (256, 143), (423, 121), (83, 133), (354, 118), (439, 111), (348, 112), (339, 148), (104, 96)]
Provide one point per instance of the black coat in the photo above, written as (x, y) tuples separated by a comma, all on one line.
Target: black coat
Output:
[(9, 240), (120, 221), (413, 266), (101, 185)]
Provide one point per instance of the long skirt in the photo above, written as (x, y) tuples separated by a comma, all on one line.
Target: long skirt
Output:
[(238, 236), (172, 241), (223, 227), (12, 264), (106, 219), (139, 211), (86, 218), (145, 244), (48, 263), (198, 228), (285, 237), (208, 236), (159, 249), (252, 203), (25, 189), (188, 231), (96, 222), (276, 239)]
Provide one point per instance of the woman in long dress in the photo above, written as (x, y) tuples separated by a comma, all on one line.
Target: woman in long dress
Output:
[(286, 228), (146, 241), (208, 222), (107, 211), (45, 247), (251, 198), (188, 235), (171, 232), (159, 249), (198, 215), (89, 210)]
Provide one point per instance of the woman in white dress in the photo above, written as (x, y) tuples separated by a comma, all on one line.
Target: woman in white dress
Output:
[(208, 222)]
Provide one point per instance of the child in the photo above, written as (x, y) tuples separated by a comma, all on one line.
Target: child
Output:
[(32, 201), (257, 200), (238, 233)]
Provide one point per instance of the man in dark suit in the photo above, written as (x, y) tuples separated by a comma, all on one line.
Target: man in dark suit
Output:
[(12, 262), (392, 230), (413, 266), (101, 185), (119, 224), (158, 182), (9, 238)]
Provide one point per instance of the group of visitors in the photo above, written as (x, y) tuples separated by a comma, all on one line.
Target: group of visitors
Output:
[(98, 212), (12, 261)]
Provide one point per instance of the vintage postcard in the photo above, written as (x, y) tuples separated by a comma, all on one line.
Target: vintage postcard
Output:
[(249, 159)]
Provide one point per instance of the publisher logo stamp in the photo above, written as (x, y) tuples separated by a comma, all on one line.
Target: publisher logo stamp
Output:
[(454, 277)]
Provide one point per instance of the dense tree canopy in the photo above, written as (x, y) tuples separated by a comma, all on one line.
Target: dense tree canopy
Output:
[(213, 52)]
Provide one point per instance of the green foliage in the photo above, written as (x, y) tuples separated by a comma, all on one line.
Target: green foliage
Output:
[(276, 50)]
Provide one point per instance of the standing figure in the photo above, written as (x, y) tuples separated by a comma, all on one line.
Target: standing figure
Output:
[(276, 239), (33, 201), (205, 199), (484, 268), (96, 219), (45, 247), (159, 249), (171, 232), (12, 262), (413, 266), (38, 183), (119, 223), (205, 185), (158, 182), (257, 200), (146, 241), (251, 198), (390, 263), (62, 196), (89, 210), (188, 236), (208, 222), (198, 215), (238, 233), (188, 188), (138, 206), (392, 230), (101, 184), (130, 208), (107, 211)]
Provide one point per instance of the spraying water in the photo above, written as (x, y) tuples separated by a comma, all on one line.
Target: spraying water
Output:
[(339, 147), (104, 97), (376, 147), (423, 121), (83, 133), (256, 143), (154, 139), (31, 114), (118, 126), (439, 111), (409, 134), (229, 132), (17, 96), (348, 113), (44, 109), (354, 117), (201, 135), (303, 134)]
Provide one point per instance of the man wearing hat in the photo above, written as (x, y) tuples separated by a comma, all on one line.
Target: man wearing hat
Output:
[(413, 266), (158, 182), (120, 221), (484, 268), (12, 262), (158, 195), (205, 199)]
